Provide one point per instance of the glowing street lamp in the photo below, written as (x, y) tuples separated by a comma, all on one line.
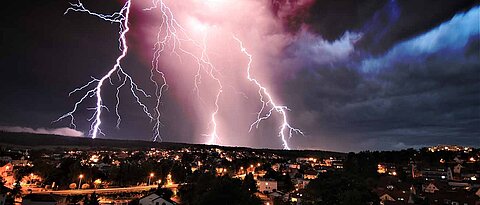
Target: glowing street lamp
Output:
[(97, 182), (150, 177), (80, 180)]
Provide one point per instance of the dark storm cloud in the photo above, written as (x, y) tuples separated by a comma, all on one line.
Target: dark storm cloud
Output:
[(423, 91), (383, 23), (366, 74)]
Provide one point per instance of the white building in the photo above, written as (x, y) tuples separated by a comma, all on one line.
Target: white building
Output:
[(154, 199), (267, 185), (457, 169), (431, 188)]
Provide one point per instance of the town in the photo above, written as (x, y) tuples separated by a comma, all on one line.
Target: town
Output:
[(193, 174)]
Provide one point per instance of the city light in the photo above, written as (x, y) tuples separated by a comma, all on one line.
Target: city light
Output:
[(80, 180), (150, 178)]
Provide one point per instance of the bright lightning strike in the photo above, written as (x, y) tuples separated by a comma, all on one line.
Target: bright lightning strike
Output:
[(122, 18), (171, 35), (170, 39), (263, 92)]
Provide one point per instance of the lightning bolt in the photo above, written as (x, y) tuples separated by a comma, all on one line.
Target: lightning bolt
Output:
[(96, 85), (170, 33), (170, 37), (267, 101)]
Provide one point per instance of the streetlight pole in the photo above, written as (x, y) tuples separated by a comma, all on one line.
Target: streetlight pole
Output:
[(150, 178), (80, 181)]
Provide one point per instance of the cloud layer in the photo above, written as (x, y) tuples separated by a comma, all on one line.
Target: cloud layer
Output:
[(64, 131)]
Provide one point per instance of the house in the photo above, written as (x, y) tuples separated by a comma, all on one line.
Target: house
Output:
[(458, 160), (457, 197), (6, 172), (431, 188), (276, 194), (310, 174), (478, 192), (301, 183), (391, 190), (266, 185), (457, 169), (154, 199), (276, 167), (397, 196)]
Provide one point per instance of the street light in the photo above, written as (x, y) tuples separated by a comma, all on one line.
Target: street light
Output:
[(80, 180), (97, 183), (150, 177)]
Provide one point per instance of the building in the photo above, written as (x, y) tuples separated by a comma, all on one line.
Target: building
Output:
[(267, 185), (457, 169), (310, 174), (6, 172), (154, 199), (433, 187), (458, 197), (435, 174), (391, 190)]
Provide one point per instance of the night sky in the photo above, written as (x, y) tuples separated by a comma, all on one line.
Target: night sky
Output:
[(356, 75)]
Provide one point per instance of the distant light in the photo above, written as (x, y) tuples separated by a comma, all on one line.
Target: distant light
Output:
[(152, 174), (473, 178), (80, 176)]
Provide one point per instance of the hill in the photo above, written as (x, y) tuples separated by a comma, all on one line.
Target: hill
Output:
[(42, 141)]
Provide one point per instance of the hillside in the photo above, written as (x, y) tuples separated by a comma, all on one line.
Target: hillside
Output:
[(39, 141)]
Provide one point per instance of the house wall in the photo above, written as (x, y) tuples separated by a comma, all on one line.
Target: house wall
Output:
[(267, 186)]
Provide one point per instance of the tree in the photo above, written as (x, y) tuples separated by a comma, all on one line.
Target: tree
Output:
[(334, 188), (17, 189), (164, 193), (93, 200), (208, 189), (287, 183), (249, 183)]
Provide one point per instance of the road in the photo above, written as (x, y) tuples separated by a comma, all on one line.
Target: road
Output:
[(103, 191)]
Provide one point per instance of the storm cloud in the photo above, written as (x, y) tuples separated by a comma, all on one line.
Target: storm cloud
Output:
[(356, 75), (424, 90)]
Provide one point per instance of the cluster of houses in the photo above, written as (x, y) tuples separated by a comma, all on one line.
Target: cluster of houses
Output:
[(448, 181), (453, 182)]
